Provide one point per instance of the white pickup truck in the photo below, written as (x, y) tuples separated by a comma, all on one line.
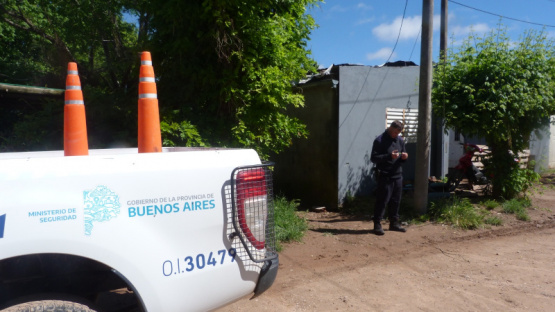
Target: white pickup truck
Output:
[(187, 229)]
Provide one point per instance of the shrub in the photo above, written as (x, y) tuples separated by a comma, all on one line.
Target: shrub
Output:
[(289, 226)]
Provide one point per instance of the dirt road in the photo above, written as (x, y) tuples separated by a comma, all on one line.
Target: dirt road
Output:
[(342, 266)]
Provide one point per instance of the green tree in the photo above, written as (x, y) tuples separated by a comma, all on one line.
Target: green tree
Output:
[(229, 67), (501, 90), (225, 69), (38, 39)]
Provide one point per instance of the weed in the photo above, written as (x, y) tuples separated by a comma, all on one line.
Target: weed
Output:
[(490, 204), (289, 226), (456, 211), (511, 206), (522, 216), (518, 208), (493, 221)]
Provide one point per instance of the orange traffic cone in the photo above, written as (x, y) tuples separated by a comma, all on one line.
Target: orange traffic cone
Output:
[(75, 125), (150, 137)]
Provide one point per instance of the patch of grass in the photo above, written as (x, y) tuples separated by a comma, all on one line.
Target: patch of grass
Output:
[(496, 221), (518, 208), (490, 204), (522, 216), (512, 206), (456, 211), (289, 225)]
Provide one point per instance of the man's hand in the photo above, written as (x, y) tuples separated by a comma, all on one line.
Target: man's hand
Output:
[(404, 156), (395, 154)]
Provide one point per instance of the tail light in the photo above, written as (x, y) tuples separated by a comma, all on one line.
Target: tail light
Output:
[(252, 207), (253, 210)]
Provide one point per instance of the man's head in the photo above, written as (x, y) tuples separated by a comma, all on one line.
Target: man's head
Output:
[(395, 128)]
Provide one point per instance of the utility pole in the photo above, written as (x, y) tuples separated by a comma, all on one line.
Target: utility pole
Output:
[(424, 110)]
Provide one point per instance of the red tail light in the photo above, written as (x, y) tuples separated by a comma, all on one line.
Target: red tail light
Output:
[(252, 205)]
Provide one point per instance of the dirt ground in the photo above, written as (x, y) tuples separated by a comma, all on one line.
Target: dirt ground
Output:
[(341, 266)]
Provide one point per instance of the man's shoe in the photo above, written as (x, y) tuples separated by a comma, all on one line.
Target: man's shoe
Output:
[(378, 228), (396, 226)]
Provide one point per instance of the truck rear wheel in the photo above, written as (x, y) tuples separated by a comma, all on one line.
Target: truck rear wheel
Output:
[(49, 306)]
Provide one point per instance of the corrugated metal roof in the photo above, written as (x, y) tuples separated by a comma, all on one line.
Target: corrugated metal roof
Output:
[(332, 72)]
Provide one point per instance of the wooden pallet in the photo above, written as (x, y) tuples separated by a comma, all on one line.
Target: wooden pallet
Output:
[(523, 157)]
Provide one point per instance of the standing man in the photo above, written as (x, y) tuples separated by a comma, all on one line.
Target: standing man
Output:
[(388, 153)]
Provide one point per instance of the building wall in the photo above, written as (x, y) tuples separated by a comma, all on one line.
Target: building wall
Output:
[(440, 151), (308, 170), (456, 149), (551, 154), (364, 94), (542, 148)]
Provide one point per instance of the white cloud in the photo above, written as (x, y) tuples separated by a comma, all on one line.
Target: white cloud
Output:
[(464, 31), (365, 21), (411, 28), (338, 8), (364, 6), (381, 54)]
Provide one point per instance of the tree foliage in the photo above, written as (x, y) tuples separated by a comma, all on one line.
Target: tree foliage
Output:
[(229, 68), (501, 90), (39, 38), (225, 69)]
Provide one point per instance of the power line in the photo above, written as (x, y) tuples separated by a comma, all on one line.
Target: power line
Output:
[(400, 29), (502, 16), (415, 41), (367, 74), (372, 101)]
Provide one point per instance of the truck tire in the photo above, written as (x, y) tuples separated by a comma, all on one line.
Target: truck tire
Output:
[(49, 306)]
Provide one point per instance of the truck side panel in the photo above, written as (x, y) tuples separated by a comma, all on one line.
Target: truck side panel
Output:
[(161, 220)]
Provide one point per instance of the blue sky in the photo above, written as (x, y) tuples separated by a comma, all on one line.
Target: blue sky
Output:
[(365, 31)]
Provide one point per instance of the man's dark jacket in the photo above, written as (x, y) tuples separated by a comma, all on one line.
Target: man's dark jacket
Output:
[(382, 148)]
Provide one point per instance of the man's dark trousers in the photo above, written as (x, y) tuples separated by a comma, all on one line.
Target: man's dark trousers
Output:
[(388, 193)]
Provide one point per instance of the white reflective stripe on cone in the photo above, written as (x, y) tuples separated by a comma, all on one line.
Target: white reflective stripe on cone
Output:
[(148, 96), (74, 102)]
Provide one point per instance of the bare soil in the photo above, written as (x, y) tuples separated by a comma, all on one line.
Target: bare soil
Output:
[(340, 265)]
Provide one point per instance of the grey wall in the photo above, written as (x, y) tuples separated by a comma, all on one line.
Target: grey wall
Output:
[(539, 149), (364, 94)]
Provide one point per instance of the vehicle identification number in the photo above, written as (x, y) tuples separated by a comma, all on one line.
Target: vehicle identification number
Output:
[(198, 262)]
